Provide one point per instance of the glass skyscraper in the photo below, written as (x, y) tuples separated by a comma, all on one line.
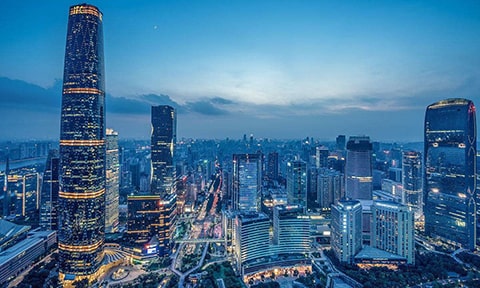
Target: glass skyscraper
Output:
[(449, 185), (358, 168), (49, 193), (113, 185), (164, 131), (412, 181), (81, 200), (246, 192), (297, 183)]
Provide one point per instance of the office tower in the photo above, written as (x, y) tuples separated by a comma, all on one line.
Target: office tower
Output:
[(346, 239), (449, 184), (81, 200), (329, 188), (113, 185), (341, 140), (312, 187), (393, 229), (412, 181), (49, 193), (297, 183), (291, 230), (246, 184), (252, 238), (151, 216), (6, 192), (321, 157), (272, 166), (164, 133), (26, 187), (358, 169)]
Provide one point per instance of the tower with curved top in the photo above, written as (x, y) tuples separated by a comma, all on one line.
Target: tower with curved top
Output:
[(81, 197), (449, 183)]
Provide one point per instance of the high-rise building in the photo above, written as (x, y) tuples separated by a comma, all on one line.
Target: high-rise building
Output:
[(358, 168), (164, 135), (49, 193), (252, 237), (151, 216), (321, 157), (272, 166), (113, 185), (449, 184), (26, 188), (340, 143), (297, 183), (346, 234), (393, 229), (412, 181), (291, 230), (81, 200), (246, 184), (329, 188)]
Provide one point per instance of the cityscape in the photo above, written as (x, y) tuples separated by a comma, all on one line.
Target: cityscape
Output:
[(98, 205)]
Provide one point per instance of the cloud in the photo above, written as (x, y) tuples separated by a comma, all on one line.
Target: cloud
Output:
[(205, 107)]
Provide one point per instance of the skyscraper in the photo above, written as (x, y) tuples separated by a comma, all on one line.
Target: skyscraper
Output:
[(81, 200), (393, 229), (358, 169), (449, 185), (291, 230), (412, 181), (6, 192), (246, 192), (164, 131), (49, 193), (272, 166), (297, 183), (113, 185), (346, 230)]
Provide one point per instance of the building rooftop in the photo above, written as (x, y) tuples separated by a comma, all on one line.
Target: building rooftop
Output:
[(21, 247)]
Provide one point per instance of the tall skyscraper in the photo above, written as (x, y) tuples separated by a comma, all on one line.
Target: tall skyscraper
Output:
[(329, 188), (272, 166), (113, 185), (321, 157), (291, 230), (81, 200), (297, 183), (340, 142), (346, 230), (412, 181), (449, 185), (393, 229), (49, 193), (358, 168), (164, 135), (246, 192)]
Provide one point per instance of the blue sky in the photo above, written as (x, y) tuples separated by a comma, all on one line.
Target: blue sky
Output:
[(277, 69)]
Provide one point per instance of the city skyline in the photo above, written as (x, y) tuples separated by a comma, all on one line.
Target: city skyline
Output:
[(248, 68)]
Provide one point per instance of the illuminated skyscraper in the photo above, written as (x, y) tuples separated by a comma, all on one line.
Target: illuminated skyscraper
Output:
[(449, 185), (81, 200), (49, 193), (297, 183), (412, 181), (113, 185), (358, 168), (164, 134), (247, 190), (346, 229), (6, 192)]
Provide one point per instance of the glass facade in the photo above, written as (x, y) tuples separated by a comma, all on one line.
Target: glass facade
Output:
[(358, 168), (164, 123), (81, 198), (246, 182), (449, 185), (412, 181), (113, 185), (297, 183), (49, 193), (346, 230)]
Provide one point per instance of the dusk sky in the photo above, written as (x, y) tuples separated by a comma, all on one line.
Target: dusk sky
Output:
[(277, 69)]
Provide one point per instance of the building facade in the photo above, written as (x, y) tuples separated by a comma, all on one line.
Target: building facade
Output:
[(297, 183), (246, 182), (113, 185), (346, 239), (450, 166), (49, 193), (163, 138), (393, 229), (329, 188), (358, 168), (81, 198), (412, 181), (291, 230)]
